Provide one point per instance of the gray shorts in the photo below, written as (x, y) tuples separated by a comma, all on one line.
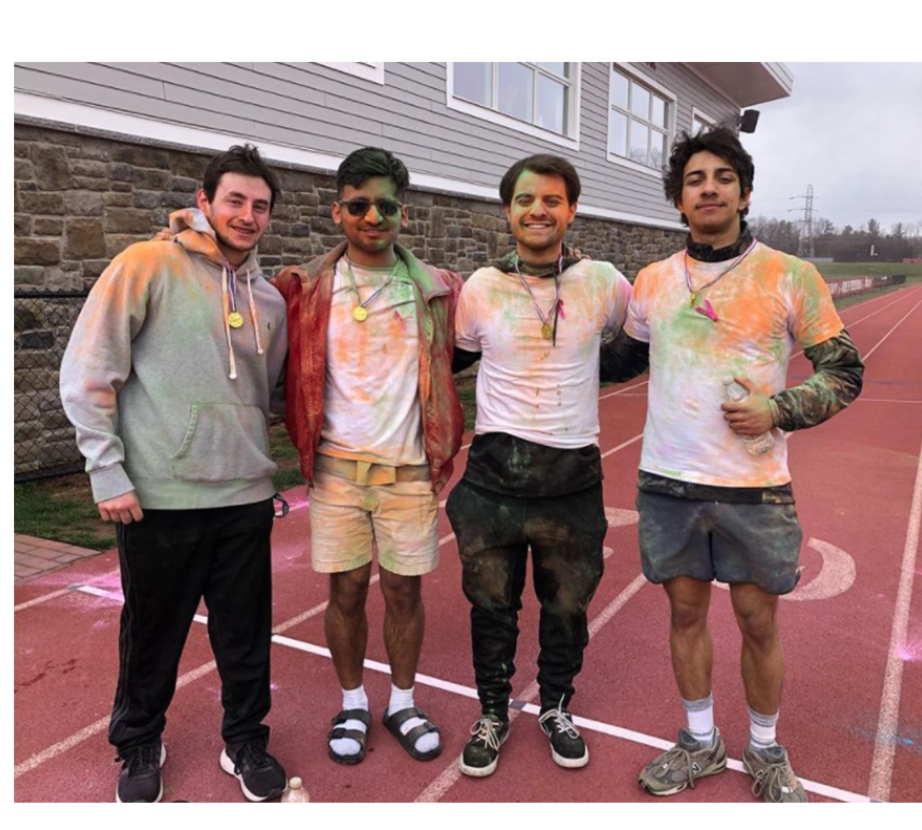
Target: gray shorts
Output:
[(707, 540)]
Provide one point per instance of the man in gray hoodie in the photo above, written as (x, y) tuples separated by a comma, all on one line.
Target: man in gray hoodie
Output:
[(167, 379)]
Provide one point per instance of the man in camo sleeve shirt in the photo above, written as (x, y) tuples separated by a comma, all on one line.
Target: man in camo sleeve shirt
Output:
[(715, 496)]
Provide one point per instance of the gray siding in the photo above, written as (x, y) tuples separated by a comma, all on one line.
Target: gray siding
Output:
[(317, 108)]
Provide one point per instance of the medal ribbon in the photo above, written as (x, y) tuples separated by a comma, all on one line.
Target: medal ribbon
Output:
[(355, 287), (693, 295), (556, 304)]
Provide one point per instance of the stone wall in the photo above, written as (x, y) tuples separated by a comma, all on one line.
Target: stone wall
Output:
[(81, 199)]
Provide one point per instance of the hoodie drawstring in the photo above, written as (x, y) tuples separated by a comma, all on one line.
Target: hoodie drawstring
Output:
[(230, 345), (259, 346)]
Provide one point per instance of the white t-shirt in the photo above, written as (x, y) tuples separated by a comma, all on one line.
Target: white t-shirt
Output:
[(371, 408), (527, 386), (765, 304)]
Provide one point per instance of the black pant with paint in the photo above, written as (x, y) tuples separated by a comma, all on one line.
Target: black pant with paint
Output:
[(169, 561), (495, 532)]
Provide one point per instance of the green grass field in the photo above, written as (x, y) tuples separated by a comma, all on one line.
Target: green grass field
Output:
[(843, 270)]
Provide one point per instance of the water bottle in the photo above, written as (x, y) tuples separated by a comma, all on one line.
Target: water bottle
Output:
[(295, 794), (755, 444)]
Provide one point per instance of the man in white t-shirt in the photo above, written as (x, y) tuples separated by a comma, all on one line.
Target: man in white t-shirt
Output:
[(533, 478), (373, 411), (717, 322)]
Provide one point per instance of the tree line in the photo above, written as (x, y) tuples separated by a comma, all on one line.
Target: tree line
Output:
[(848, 244)]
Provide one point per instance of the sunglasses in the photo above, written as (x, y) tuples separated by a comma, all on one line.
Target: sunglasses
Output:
[(360, 207)]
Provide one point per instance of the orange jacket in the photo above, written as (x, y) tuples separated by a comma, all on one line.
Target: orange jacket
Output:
[(308, 294)]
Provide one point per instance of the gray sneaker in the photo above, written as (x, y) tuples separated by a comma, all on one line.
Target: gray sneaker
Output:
[(774, 778), (681, 766)]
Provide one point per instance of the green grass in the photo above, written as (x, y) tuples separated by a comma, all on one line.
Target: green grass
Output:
[(843, 270), (467, 394), (61, 509)]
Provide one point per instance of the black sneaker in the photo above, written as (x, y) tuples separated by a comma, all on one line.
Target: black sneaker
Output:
[(568, 749), (261, 777), (481, 752), (139, 781)]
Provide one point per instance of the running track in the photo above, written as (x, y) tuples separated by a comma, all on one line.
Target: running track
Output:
[(852, 632)]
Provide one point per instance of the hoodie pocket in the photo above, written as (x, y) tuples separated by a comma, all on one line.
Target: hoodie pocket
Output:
[(224, 442)]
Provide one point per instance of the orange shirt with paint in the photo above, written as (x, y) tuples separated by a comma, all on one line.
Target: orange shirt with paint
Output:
[(763, 306)]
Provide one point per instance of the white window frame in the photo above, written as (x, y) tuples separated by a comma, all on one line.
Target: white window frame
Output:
[(703, 117), (367, 70), (572, 126), (671, 108)]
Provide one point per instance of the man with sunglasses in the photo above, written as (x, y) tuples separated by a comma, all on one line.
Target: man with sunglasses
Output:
[(373, 412)]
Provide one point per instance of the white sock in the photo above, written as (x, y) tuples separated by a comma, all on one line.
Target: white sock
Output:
[(403, 699), (700, 717), (762, 729), (352, 699)]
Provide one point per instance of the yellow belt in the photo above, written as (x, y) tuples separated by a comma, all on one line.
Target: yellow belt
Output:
[(365, 473)]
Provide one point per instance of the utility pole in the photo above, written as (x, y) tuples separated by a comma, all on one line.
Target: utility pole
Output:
[(805, 246)]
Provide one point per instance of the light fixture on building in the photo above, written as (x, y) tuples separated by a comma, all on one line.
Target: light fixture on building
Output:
[(748, 121)]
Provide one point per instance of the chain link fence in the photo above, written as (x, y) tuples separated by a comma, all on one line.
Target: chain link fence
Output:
[(44, 439)]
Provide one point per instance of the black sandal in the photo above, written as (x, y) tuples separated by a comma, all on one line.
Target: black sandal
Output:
[(340, 731), (393, 723)]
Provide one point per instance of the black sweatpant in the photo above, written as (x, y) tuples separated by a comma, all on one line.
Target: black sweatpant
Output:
[(169, 561), (495, 532)]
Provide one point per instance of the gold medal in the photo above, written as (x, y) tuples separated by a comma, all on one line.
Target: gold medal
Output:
[(360, 314), (235, 319), (546, 331)]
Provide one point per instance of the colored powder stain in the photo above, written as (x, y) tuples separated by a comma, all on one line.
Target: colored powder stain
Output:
[(298, 503), (910, 652)]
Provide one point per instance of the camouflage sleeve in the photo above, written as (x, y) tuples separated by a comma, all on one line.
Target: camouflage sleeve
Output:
[(623, 358), (834, 385)]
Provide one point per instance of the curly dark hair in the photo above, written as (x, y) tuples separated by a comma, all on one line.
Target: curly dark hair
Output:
[(543, 164), (245, 160), (369, 163), (723, 143)]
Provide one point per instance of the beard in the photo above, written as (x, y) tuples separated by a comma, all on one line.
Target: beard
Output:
[(235, 246)]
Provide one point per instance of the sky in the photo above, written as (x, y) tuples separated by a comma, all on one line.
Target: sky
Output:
[(853, 131)]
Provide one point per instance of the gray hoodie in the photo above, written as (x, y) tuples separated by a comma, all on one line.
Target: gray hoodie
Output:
[(167, 398)]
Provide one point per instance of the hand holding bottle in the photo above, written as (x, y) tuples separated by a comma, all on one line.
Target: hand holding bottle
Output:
[(749, 414)]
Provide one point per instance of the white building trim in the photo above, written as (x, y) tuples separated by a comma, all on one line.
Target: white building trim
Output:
[(367, 70)]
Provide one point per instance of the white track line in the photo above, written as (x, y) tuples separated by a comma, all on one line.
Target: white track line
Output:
[(885, 745), (452, 774), (53, 751), (902, 319), (63, 592)]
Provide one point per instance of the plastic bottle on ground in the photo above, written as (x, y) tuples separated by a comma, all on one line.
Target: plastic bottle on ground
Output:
[(755, 444), (295, 794)]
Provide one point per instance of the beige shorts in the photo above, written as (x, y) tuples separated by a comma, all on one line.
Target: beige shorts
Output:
[(348, 520)]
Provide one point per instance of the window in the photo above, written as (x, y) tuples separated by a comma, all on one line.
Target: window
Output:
[(541, 99), (361, 69), (640, 120), (700, 121)]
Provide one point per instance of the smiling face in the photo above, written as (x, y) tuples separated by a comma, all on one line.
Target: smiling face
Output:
[(372, 235), (239, 213), (539, 216), (711, 199)]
